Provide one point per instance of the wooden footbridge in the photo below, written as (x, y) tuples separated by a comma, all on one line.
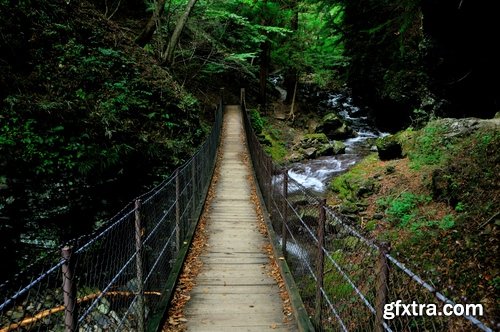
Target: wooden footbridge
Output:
[(123, 277), (234, 291)]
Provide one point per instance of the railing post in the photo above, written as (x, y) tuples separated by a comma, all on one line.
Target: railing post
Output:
[(69, 291), (382, 278), (242, 97), (320, 263), (284, 231), (177, 211), (222, 97), (138, 264)]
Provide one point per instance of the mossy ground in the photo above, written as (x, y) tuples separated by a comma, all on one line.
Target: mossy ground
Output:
[(438, 208)]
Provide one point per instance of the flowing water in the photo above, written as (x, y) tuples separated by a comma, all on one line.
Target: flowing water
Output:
[(315, 174)]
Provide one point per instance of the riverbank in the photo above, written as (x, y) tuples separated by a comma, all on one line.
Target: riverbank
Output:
[(436, 204), (318, 143)]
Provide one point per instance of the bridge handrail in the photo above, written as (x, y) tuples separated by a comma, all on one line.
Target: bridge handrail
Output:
[(322, 248), (120, 277)]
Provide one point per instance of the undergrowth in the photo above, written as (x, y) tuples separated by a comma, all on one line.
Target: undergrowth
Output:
[(438, 207)]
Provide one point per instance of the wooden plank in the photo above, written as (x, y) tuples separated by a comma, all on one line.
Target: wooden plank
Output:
[(253, 289), (243, 320)]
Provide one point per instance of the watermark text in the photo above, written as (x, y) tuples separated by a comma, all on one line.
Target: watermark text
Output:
[(398, 308)]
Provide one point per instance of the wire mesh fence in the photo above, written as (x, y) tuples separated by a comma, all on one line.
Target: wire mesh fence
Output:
[(346, 281), (119, 278)]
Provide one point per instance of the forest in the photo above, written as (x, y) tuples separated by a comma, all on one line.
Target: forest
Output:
[(100, 100)]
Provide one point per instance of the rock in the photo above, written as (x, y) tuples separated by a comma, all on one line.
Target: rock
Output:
[(279, 115), (310, 153), (454, 128), (335, 128), (312, 125), (312, 141), (331, 122), (390, 170), (104, 307), (339, 147), (295, 157), (378, 216), (331, 149), (317, 145), (348, 208), (366, 189), (389, 148), (325, 150), (343, 132)]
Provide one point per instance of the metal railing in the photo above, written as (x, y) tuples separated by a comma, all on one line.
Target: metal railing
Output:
[(345, 280), (121, 277)]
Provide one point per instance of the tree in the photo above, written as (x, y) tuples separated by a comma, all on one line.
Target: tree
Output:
[(291, 79), (149, 29), (265, 49), (168, 56)]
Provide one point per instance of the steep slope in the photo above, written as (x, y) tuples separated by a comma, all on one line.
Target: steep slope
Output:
[(438, 206), (87, 121)]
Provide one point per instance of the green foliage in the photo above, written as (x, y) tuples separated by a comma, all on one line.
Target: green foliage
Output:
[(87, 120), (460, 207), (429, 147), (275, 146), (258, 122), (407, 211), (277, 151), (402, 209), (270, 137), (317, 46)]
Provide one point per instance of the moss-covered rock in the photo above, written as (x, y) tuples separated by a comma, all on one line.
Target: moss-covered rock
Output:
[(314, 138), (316, 145), (331, 149), (389, 148), (335, 128)]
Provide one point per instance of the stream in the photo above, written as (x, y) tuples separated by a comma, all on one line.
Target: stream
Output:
[(315, 174)]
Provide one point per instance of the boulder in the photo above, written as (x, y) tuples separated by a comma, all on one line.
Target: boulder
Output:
[(316, 145), (335, 128), (343, 132), (331, 149), (312, 125), (295, 157), (310, 153), (331, 122), (310, 140), (389, 148)]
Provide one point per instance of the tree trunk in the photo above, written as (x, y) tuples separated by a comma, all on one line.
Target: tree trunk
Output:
[(168, 57), (290, 79), (264, 71), (291, 115), (265, 49), (149, 29)]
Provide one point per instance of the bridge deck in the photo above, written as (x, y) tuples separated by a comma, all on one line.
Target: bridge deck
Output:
[(234, 292)]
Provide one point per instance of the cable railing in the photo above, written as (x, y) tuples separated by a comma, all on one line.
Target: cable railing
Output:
[(121, 277), (346, 281)]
